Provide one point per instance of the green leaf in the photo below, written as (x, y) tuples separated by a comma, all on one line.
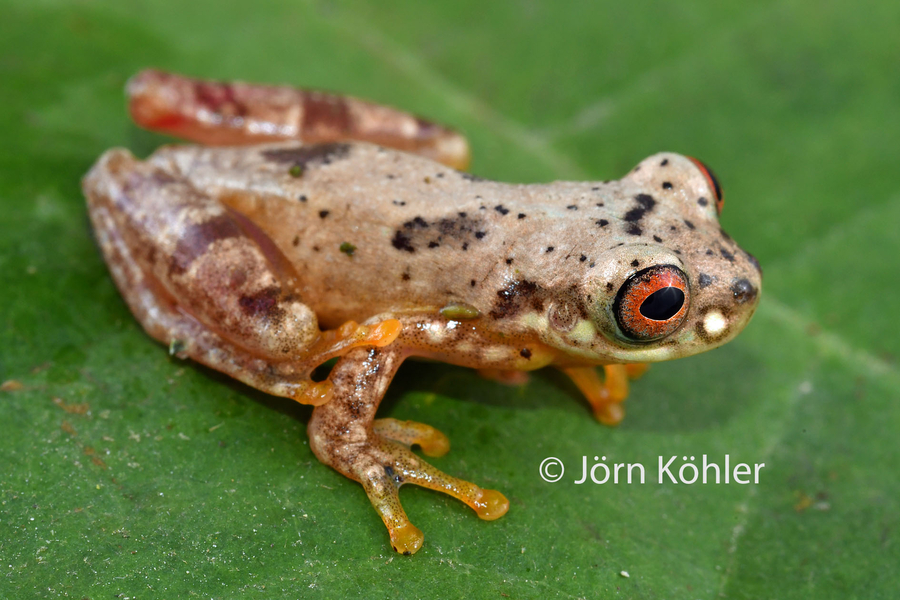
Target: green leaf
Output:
[(129, 473)]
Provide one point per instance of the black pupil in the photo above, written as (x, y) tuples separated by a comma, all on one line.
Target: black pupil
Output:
[(663, 304)]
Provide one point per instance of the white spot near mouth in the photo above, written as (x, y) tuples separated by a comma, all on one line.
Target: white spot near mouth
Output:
[(714, 323)]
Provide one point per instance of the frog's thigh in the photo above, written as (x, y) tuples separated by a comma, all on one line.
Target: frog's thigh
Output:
[(231, 114), (604, 396), (342, 436), (202, 279)]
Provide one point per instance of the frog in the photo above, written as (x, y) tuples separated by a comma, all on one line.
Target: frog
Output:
[(301, 228)]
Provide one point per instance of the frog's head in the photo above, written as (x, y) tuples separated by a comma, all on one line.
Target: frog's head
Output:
[(678, 285)]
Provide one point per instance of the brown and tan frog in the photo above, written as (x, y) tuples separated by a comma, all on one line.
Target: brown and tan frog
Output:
[(311, 226)]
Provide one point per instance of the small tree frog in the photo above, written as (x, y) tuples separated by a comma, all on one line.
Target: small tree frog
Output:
[(307, 226)]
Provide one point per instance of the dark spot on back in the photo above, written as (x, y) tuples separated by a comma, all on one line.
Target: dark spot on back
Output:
[(657, 239), (417, 222), (550, 248), (301, 156), (521, 215), (433, 244), (509, 261), (602, 222), (635, 214), (633, 229), (402, 242), (405, 277), (645, 200), (664, 162), (635, 263), (689, 224), (296, 241), (702, 201), (727, 255), (302, 198), (645, 204), (582, 258), (667, 185), (501, 209), (323, 213), (572, 207), (470, 177)]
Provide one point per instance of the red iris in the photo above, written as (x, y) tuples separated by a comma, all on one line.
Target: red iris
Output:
[(652, 303)]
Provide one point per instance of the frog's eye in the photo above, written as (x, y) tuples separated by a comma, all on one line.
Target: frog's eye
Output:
[(652, 303), (713, 183)]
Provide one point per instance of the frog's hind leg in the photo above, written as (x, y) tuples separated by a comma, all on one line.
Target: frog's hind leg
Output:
[(605, 396), (205, 281), (342, 435), (233, 114)]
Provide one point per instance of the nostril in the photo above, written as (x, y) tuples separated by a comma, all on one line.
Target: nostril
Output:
[(743, 291)]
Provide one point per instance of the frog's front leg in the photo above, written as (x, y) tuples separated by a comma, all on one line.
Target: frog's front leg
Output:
[(605, 396), (343, 436)]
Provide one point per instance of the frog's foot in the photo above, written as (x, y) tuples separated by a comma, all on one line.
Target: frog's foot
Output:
[(604, 396), (382, 466), (409, 433), (506, 377)]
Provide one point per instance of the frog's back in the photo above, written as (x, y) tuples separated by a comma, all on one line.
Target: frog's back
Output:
[(371, 229)]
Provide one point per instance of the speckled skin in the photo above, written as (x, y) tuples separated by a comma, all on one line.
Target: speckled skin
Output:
[(237, 256)]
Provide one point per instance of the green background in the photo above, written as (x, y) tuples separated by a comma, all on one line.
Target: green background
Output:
[(177, 482)]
